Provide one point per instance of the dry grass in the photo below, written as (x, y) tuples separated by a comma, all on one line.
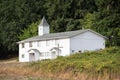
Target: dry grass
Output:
[(22, 69)]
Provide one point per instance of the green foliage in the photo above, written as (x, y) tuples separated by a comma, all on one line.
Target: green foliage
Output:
[(31, 31), (94, 62), (15, 16), (88, 21)]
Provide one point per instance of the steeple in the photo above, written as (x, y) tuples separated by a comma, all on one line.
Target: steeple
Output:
[(43, 27), (43, 22)]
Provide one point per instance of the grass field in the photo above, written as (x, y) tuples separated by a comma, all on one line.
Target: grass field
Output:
[(97, 65)]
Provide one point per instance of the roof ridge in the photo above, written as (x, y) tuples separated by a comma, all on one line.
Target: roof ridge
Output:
[(67, 31), (59, 35)]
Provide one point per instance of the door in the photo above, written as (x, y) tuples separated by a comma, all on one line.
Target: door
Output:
[(54, 54), (32, 57)]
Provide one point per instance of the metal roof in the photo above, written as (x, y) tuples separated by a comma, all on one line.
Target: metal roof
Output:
[(60, 35)]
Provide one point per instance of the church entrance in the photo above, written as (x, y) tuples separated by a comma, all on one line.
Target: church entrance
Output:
[(55, 52), (34, 55)]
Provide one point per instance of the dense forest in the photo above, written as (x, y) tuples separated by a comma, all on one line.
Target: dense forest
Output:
[(19, 19)]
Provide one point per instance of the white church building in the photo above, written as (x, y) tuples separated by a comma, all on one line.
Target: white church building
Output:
[(50, 45)]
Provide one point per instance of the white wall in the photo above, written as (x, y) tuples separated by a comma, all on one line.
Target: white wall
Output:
[(42, 47), (86, 41), (65, 44), (23, 51)]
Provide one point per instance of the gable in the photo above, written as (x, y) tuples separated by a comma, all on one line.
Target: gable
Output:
[(88, 35)]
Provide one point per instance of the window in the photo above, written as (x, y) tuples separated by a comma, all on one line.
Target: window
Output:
[(103, 43), (43, 54), (30, 44), (73, 51), (23, 56), (38, 44), (23, 45), (47, 54), (47, 43), (40, 28), (53, 52), (56, 42)]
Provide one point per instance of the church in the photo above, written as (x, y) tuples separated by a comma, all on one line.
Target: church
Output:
[(50, 45)]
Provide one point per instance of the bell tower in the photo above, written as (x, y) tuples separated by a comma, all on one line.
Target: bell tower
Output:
[(43, 27)]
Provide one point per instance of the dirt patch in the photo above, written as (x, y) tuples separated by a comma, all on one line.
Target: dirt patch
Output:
[(12, 77), (12, 60)]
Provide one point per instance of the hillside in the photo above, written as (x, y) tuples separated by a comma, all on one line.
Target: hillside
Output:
[(101, 64), (98, 65)]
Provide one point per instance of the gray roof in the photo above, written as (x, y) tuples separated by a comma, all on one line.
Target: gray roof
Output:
[(60, 35), (43, 22)]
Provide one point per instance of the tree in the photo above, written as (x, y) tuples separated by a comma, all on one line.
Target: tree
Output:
[(15, 16), (31, 31)]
